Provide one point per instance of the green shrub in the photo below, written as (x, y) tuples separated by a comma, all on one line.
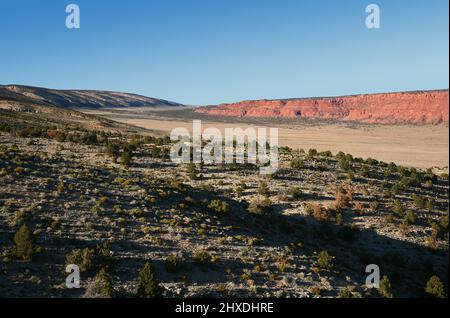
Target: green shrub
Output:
[(173, 263), (60, 136), (389, 218), (399, 209), (20, 217), (345, 164), (263, 206), (312, 152), (100, 286), (385, 288), (102, 201), (372, 162), (443, 221), (418, 201), (88, 259), (118, 209), (402, 171), (177, 185), (148, 285), (282, 263), (405, 182), (339, 218), (374, 206), (395, 189), (297, 163), (411, 217), (112, 149), (84, 259), (219, 206), (435, 287), (325, 260), (127, 158), (90, 138), (155, 152), (392, 167), (56, 223), (201, 257), (19, 170), (295, 193), (348, 292), (192, 171), (103, 255), (327, 154), (25, 244), (60, 187), (351, 176), (136, 212), (364, 171), (263, 188), (404, 225), (431, 242), (429, 205)]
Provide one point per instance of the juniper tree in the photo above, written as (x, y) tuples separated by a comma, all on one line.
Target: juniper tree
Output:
[(25, 246), (148, 284), (126, 158)]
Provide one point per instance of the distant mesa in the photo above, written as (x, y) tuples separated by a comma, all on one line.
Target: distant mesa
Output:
[(78, 98), (418, 107)]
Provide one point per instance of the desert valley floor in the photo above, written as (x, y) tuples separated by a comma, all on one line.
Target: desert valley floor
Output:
[(416, 146)]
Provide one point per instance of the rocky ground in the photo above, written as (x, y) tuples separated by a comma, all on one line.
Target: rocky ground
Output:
[(222, 230)]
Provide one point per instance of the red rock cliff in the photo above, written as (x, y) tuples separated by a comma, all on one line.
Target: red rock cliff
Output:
[(423, 107)]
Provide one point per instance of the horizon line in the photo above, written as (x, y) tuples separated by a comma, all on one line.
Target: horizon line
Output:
[(417, 91)]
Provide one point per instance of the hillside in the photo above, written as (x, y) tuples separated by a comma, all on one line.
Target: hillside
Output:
[(78, 98), (421, 107), (213, 230)]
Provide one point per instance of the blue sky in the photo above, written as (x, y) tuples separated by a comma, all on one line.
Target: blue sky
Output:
[(213, 51)]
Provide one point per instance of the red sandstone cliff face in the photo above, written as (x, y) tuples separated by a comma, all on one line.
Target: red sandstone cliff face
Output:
[(424, 107)]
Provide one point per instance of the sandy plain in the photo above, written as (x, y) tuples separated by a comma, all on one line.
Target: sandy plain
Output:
[(414, 146)]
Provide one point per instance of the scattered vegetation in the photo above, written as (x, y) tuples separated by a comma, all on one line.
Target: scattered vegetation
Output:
[(120, 188)]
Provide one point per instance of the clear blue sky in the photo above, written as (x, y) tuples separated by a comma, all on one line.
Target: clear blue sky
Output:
[(213, 51)]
